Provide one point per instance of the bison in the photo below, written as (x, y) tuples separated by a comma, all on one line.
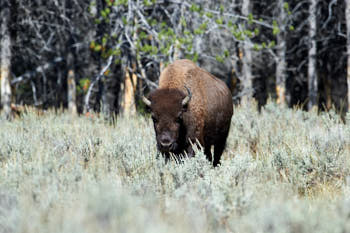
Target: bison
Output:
[(190, 106)]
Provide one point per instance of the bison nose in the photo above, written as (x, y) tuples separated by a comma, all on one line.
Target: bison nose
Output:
[(166, 145), (165, 142)]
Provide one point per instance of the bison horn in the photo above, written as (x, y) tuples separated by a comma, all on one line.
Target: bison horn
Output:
[(187, 98), (146, 101)]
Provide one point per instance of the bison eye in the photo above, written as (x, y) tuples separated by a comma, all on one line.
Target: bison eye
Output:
[(155, 120), (179, 118)]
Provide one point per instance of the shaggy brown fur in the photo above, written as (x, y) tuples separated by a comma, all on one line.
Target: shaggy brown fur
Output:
[(205, 118)]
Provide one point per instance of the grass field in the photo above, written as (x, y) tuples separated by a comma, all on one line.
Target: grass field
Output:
[(283, 170)]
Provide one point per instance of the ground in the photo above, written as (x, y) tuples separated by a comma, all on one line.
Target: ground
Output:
[(284, 170)]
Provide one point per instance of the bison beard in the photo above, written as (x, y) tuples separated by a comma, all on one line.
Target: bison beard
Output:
[(190, 105)]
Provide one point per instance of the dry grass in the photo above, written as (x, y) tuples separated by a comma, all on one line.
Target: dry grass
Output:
[(283, 171)]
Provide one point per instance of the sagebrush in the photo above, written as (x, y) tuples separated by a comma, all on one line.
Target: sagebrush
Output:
[(283, 170)]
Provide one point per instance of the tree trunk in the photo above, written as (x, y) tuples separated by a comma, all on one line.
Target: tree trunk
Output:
[(161, 66), (130, 81), (236, 73), (71, 85), (246, 62), (72, 90), (347, 16), (328, 89), (5, 44), (128, 103), (281, 56), (111, 87), (312, 75)]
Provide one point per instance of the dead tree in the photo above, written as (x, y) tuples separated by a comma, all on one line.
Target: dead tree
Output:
[(312, 74), (281, 54), (347, 18), (247, 61), (5, 67)]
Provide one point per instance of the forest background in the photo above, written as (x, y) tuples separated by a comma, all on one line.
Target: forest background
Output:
[(103, 55)]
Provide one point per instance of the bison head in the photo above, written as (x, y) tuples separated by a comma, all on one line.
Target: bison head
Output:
[(167, 107)]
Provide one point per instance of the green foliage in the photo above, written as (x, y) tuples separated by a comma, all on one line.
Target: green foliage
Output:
[(209, 15), (272, 44), (125, 21), (219, 21), (105, 13), (286, 8), (97, 48), (204, 26), (183, 22), (149, 49), (275, 29), (248, 33), (195, 57), (148, 3), (97, 21), (222, 9), (198, 31), (238, 35), (104, 40), (250, 19), (109, 2), (195, 8), (226, 53), (121, 2), (219, 58), (142, 35), (83, 86), (256, 31), (230, 24), (257, 47), (169, 41)]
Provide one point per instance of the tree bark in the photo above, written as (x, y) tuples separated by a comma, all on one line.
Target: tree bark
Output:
[(281, 56), (312, 75), (5, 44), (247, 62), (71, 85), (72, 90), (347, 16), (128, 104), (110, 94), (130, 81)]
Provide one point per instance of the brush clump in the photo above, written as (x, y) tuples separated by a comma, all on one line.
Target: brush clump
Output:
[(284, 170)]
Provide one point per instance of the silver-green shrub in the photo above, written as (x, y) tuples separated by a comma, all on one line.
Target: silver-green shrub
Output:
[(283, 170)]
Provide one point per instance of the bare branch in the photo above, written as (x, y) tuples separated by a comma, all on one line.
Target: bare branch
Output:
[(99, 76), (39, 69)]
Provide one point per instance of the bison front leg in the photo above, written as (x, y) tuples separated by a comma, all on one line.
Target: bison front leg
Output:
[(194, 137), (207, 152), (190, 151)]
